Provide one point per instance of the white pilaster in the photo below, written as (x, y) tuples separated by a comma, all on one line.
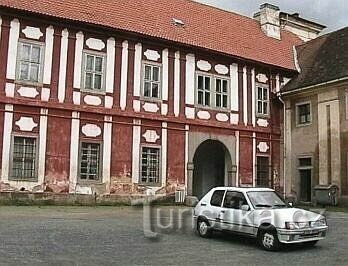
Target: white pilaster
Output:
[(237, 157), (164, 153), (63, 65), (48, 55), (177, 84), (136, 150), (78, 60), (253, 97), (277, 83), (74, 150), (234, 87), (165, 66), (124, 76), (245, 96), (42, 145), (288, 153), (323, 144), (107, 150), (137, 69), (254, 159), (6, 143), (110, 65), (190, 79), (12, 49), (187, 129), (0, 26)]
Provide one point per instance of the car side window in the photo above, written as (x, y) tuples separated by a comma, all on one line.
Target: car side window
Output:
[(217, 197), (234, 200)]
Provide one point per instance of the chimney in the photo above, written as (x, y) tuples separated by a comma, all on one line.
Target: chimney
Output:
[(268, 16)]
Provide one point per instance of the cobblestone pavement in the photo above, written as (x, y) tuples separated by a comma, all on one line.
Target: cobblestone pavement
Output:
[(115, 236)]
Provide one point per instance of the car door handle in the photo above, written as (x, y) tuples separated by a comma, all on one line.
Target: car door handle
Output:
[(222, 211), (203, 204)]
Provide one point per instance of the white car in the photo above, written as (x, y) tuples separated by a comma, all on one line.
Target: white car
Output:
[(260, 213)]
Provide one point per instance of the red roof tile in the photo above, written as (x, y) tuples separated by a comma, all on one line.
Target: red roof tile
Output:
[(206, 27)]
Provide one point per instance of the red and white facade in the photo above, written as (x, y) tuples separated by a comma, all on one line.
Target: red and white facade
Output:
[(117, 113)]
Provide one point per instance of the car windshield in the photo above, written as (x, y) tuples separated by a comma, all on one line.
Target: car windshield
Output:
[(266, 199)]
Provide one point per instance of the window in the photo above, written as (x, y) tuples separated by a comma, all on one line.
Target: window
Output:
[(29, 62), (24, 158), (217, 197), (234, 200), (212, 91), (262, 100), (90, 161), (94, 72), (150, 165), (303, 114), (152, 81), (262, 175)]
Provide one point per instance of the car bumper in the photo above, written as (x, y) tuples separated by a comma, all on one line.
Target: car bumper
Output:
[(302, 235)]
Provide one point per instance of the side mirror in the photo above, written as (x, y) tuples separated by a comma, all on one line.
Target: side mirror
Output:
[(245, 208)]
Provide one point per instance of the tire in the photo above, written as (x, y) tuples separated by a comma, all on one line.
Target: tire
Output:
[(310, 243), (268, 240), (203, 229)]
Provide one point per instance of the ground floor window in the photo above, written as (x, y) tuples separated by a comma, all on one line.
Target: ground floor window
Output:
[(90, 161), (150, 165), (24, 162), (262, 175)]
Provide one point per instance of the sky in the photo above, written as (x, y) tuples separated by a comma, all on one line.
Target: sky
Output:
[(331, 13)]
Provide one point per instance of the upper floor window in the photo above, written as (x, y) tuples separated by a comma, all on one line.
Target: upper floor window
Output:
[(150, 165), (212, 91), (90, 161), (303, 113), (94, 71), (262, 100), (151, 81), (30, 62)]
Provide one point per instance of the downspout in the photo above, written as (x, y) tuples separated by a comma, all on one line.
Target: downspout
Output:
[(284, 149)]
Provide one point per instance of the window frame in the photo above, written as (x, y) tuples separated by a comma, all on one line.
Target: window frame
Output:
[(238, 192), (213, 91), (95, 54), (41, 63), (153, 184), (222, 199), (297, 113), (100, 170), (257, 100), (36, 170), (160, 82)]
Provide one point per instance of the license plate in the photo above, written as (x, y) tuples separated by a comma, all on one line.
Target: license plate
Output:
[(311, 232)]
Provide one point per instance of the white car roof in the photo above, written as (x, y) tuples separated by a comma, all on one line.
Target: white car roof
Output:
[(244, 189)]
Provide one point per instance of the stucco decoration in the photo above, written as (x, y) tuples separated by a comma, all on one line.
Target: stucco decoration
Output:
[(83, 190), (203, 65), (190, 113), (10, 89), (222, 117), (234, 119), (204, 115), (45, 94), (91, 130), (151, 136), (151, 107), (263, 147), (28, 92), (152, 55), (221, 69), (32, 33), (92, 100), (95, 44), (77, 97), (26, 124), (262, 78), (262, 122)]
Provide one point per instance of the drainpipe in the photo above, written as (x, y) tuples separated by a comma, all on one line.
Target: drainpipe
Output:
[(284, 149)]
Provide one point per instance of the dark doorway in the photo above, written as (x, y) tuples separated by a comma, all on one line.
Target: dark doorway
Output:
[(306, 185), (209, 167), (262, 174)]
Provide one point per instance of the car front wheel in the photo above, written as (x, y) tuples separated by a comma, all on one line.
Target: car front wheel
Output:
[(268, 240), (203, 229)]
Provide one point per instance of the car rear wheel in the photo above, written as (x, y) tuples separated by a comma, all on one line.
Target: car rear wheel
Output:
[(268, 240), (204, 229)]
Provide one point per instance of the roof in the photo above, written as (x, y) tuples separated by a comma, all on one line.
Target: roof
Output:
[(321, 60), (245, 189), (205, 26)]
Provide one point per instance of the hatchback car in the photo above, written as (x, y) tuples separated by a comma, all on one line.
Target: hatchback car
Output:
[(260, 213)]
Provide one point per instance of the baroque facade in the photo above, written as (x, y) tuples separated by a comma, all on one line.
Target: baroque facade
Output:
[(101, 98)]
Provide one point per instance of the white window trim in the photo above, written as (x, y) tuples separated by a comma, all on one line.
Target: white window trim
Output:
[(100, 177), (83, 70), (263, 86), (160, 66), (41, 65), (159, 183), (298, 124), (213, 78)]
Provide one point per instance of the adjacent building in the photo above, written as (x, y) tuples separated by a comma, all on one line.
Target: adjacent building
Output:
[(142, 97), (316, 116)]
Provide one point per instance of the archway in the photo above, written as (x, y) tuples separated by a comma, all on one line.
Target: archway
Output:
[(211, 163)]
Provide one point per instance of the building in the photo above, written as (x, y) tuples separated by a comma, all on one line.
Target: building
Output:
[(141, 97), (316, 117)]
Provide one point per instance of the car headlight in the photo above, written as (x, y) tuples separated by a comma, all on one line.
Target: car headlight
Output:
[(296, 225), (321, 222)]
